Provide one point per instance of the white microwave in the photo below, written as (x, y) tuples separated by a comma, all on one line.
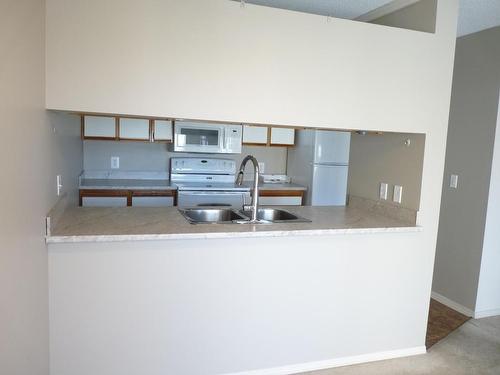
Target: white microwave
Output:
[(207, 138)]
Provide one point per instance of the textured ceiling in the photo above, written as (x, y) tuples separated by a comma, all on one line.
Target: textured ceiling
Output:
[(336, 8), (475, 15)]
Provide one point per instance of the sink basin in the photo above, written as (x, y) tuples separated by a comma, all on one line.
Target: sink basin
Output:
[(230, 216), (211, 215), (275, 215)]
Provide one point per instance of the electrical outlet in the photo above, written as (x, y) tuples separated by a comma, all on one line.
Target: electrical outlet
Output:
[(454, 181), (262, 167), (59, 184), (383, 191), (115, 162), (398, 193)]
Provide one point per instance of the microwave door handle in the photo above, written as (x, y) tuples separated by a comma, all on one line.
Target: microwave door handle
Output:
[(224, 146)]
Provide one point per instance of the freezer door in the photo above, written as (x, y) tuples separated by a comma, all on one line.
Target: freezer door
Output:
[(329, 186), (332, 147)]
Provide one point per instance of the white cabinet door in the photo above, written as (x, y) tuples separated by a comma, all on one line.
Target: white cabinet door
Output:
[(255, 134), (104, 201), (162, 130), (282, 136), (280, 201), (99, 127), (152, 201), (136, 129)]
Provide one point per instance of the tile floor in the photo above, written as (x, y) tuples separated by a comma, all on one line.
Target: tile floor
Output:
[(442, 321)]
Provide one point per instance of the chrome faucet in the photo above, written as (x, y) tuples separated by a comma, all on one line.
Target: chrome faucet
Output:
[(255, 195)]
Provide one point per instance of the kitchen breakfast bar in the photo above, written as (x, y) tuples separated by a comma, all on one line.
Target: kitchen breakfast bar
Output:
[(179, 298)]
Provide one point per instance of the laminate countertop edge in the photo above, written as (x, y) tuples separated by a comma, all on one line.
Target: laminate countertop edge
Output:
[(222, 235)]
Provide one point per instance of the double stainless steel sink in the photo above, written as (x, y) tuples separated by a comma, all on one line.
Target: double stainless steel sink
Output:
[(232, 216)]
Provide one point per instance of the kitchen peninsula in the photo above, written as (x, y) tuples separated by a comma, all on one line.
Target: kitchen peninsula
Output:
[(144, 280)]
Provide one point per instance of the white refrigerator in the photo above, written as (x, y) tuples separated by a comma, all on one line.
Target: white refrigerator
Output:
[(320, 161)]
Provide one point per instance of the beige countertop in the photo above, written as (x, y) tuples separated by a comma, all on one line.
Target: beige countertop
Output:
[(95, 224), (158, 184), (280, 186)]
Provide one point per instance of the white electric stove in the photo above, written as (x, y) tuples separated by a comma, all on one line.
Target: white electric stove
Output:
[(207, 182)]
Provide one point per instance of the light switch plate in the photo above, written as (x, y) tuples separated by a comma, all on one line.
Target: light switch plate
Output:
[(454, 181), (383, 190), (398, 193), (59, 184), (115, 162)]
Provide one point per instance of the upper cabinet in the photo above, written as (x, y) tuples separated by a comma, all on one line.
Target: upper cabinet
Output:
[(263, 135), (97, 127), (126, 129), (134, 129), (255, 135), (162, 131), (282, 136)]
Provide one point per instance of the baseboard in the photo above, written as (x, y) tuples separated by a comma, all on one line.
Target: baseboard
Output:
[(486, 313), (336, 362), (452, 304)]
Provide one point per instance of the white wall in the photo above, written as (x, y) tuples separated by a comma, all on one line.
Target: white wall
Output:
[(213, 60), (217, 61), (144, 156), (386, 158), (488, 294), (223, 306), (471, 137), (30, 157), (419, 16)]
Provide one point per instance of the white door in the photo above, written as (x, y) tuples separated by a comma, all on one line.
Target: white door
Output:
[(163, 130), (332, 147), (255, 134), (99, 127), (152, 201), (104, 201), (329, 187), (133, 128), (282, 136)]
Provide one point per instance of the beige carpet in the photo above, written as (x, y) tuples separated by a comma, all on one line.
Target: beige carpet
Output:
[(473, 349)]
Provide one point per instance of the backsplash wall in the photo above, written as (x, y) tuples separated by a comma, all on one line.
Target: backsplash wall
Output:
[(143, 156)]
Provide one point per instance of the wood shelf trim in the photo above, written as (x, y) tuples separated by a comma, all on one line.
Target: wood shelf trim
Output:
[(281, 193), (107, 193)]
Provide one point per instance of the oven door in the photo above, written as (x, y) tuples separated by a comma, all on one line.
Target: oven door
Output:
[(233, 199), (198, 137)]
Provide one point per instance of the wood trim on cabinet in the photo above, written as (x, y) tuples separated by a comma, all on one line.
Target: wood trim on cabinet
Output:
[(126, 193), (254, 144), (84, 193), (117, 128), (153, 193), (281, 193), (82, 127)]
